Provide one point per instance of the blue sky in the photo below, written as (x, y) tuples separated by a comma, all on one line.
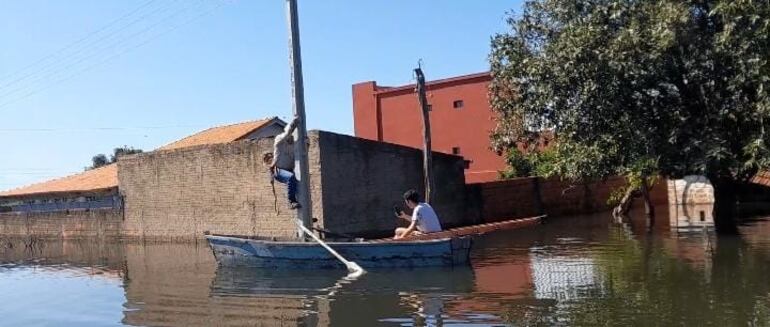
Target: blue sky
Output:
[(80, 77)]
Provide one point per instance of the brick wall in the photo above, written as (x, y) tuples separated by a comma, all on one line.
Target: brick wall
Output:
[(526, 197), (222, 188), (502, 200), (179, 194), (363, 179), (72, 224)]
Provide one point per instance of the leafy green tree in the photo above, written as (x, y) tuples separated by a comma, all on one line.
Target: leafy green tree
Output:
[(124, 150), (100, 160), (639, 87)]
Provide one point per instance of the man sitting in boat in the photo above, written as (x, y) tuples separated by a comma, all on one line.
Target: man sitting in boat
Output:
[(423, 219), (281, 162)]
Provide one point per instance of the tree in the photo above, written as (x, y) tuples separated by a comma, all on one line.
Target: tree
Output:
[(100, 160), (122, 151), (639, 88)]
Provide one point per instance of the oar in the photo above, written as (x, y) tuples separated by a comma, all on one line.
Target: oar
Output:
[(354, 269)]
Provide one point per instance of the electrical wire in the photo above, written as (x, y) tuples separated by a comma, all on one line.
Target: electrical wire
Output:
[(69, 61), (107, 59)]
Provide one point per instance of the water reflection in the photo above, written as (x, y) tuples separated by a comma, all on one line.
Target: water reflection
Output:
[(588, 270), (379, 295)]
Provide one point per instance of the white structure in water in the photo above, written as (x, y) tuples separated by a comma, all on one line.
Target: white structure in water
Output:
[(691, 202)]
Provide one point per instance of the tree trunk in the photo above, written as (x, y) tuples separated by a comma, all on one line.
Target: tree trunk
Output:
[(625, 203), (649, 209), (724, 205)]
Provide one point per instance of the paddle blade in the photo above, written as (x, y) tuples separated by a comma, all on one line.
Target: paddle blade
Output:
[(354, 269)]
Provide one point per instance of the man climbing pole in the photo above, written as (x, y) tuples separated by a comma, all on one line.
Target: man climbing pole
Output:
[(281, 162)]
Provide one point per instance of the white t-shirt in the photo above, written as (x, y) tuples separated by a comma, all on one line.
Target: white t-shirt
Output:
[(283, 152), (426, 218)]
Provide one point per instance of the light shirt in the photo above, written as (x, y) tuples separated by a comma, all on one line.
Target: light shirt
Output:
[(426, 218), (283, 152)]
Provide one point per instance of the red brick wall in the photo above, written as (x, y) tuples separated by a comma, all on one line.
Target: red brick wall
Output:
[(393, 115), (520, 197)]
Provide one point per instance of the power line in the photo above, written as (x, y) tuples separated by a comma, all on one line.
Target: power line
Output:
[(53, 67), (69, 46), (109, 128), (37, 174), (87, 68)]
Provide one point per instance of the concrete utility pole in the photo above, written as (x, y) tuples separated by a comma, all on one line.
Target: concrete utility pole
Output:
[(427, 158), (302, 172)]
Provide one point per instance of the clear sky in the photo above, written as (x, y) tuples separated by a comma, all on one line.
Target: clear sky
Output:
[(81, 77)]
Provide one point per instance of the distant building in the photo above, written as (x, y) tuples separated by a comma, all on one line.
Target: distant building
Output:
[(98, 188), (460, 115)]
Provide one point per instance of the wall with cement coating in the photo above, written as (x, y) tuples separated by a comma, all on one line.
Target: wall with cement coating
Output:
[(362, 180)]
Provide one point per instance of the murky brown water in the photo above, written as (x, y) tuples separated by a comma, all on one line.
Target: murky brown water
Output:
[(577, 271)]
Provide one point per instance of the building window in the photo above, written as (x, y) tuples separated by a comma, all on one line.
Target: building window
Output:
[(456, 150), (458, 104), (430, 107)]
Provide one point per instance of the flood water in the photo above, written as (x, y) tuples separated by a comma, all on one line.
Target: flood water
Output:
[(574, 271)]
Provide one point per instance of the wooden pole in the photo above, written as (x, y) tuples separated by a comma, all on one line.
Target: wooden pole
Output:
[(427, 159), (302, 172)]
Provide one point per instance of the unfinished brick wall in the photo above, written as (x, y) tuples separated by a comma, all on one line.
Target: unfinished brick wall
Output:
[(362, 180), (222, 188), (63, 224)]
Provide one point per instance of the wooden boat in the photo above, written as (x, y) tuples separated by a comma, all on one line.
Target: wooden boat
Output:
[(481, 228), (240, 251), (447, 248)]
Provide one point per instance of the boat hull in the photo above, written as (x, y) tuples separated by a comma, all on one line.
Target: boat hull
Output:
[(239, 251)]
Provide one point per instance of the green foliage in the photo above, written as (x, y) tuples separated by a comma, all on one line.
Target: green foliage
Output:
[(531, 164), (100, 160), (122, 151), (518, 165), (637, 87), (635, 175)]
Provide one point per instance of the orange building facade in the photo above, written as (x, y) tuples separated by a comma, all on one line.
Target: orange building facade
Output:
[(460, 117)]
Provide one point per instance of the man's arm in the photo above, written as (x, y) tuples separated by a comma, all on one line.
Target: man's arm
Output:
[(287, 130), (292, 126)]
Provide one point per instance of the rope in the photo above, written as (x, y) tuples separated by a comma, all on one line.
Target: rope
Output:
[(275, 198)]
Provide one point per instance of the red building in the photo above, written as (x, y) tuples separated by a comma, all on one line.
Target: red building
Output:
[(460, 119)]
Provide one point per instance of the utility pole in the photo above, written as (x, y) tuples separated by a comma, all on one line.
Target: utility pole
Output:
[(427, 158), (302, 171)]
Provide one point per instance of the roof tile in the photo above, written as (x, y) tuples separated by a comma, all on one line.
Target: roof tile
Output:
[(217, 135), (101, 178), (106, 177)]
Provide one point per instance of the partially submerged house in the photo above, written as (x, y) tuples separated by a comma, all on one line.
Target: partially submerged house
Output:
[(98, 188)]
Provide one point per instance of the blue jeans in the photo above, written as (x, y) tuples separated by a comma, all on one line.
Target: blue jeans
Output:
[(287, 177)]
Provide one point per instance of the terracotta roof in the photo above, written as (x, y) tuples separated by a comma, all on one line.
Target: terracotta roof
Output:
[(107, 177), (217, 135), (101, 178)]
